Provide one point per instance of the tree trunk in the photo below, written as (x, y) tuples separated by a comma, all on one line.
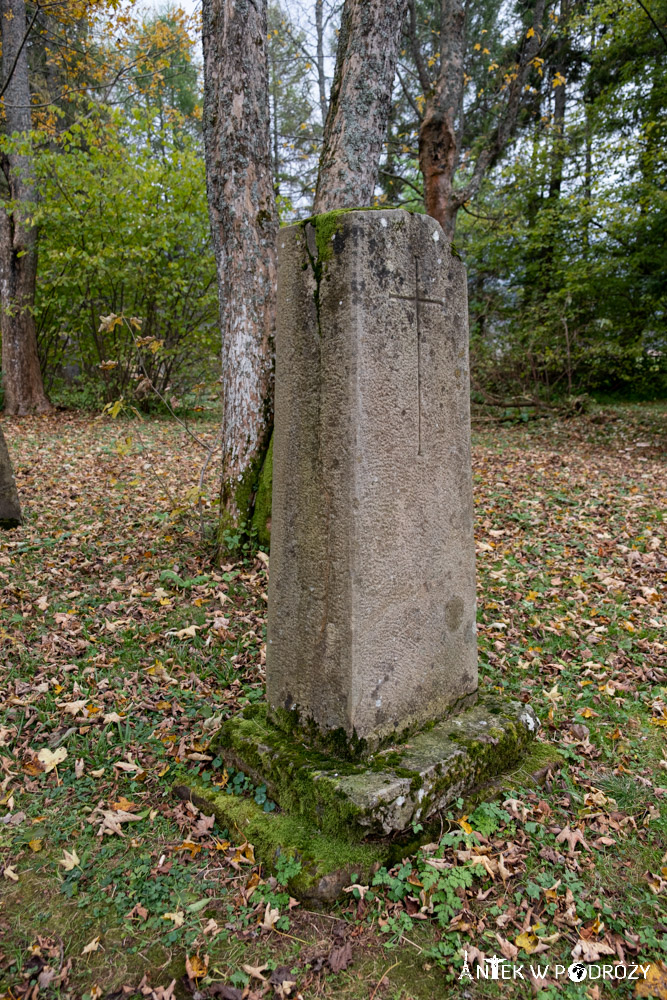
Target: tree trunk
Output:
[(10, 510), (360, 102), (22, 378), (558, 122), (440, 134), (244, 228), (438, 137)]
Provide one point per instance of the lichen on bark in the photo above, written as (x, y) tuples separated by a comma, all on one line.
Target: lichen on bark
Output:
[(360, 102), (244, 227)]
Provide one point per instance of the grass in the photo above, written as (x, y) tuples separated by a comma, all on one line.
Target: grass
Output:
[(123, 647)]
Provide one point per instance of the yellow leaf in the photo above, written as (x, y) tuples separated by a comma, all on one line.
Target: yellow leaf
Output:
[(123, 804), (477, 47), (35, 844), (530, 33), (195, 968), (528, 942), (655, 983), (188, 845), (50, 759), (463, 823)]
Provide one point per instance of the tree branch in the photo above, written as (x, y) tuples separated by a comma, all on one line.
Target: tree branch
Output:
[(653, 21)]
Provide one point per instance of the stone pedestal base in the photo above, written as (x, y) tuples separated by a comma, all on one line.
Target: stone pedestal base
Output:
[(343, 818)]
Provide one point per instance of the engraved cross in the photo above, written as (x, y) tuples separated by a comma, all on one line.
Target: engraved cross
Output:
[(418, 300)]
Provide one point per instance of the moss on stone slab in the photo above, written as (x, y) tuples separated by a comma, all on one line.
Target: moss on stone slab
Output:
[(391, 790), (327, 863)]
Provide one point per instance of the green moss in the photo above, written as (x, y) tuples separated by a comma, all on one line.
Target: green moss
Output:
[(297, 777), (327, 862), (333, 742), (237, 506), (389, 790), (261, 517)]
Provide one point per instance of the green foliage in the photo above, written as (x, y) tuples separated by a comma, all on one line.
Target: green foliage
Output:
[(124, 231), (564, 248)]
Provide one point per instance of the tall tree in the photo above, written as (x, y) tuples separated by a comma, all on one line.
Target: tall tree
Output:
[(442, 126), (22, 378), (360, 102), (244, 228)]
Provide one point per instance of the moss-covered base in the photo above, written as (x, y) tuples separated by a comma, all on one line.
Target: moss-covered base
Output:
[(327, 863), (389, 791), (334, 815)]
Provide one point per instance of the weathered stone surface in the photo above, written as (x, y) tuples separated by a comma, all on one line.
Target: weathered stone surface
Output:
[(10, 510), (392, 789), (371, 628)]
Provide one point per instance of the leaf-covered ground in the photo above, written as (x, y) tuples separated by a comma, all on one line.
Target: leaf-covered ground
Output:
[(123, 647)]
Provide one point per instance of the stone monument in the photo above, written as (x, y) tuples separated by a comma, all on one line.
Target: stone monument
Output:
[(371, 626), (372, 724)]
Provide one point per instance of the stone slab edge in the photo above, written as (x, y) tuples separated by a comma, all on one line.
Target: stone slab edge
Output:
[(390, 791), (328, 863)]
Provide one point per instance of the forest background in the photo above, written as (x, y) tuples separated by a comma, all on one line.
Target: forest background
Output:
[(563, 235)]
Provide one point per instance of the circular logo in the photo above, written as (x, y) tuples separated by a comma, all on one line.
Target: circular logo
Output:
[(577, 972)]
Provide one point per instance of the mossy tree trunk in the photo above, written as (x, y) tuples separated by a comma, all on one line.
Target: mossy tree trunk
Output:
[(10, 509), (244, 227)]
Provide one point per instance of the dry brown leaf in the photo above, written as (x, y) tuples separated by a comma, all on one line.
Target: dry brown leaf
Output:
[(572, 838)]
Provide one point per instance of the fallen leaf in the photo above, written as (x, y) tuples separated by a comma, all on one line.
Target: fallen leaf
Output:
[(340, 956), (188, 845), (195, 967), (590, 951), (177, 918), (112, 717), (528, 942), (571, 838), (10, 874), (92, 946), (50, 759), (123, 765), (655, 982), (271, 916), (507, 949), (69, 860), (123, 805), (255, 971)]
